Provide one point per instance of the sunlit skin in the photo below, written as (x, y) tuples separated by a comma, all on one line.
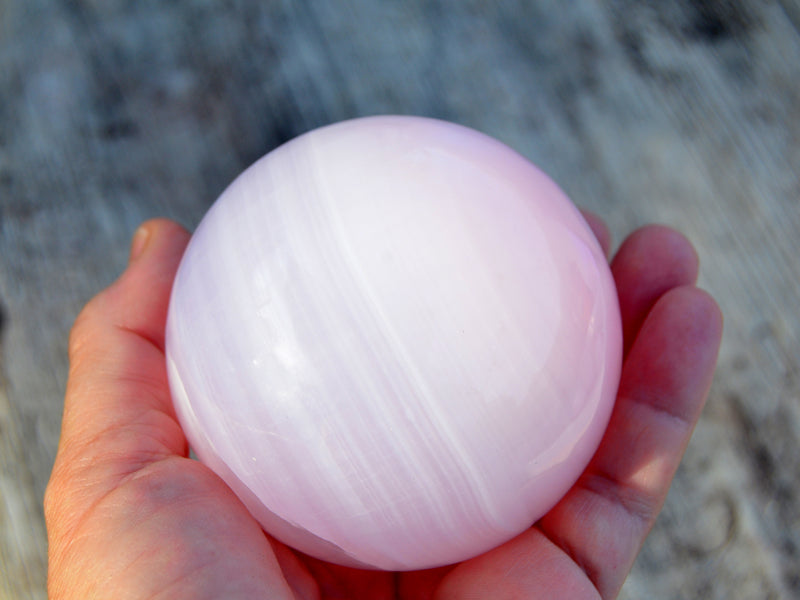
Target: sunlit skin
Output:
[(129, 515)]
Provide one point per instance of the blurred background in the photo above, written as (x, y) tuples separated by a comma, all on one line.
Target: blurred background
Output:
[(680, 112)]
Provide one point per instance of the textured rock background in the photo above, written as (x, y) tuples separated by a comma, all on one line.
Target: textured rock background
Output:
[(681, 112)]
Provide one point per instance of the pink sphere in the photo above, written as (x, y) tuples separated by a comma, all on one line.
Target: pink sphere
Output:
[(396, 340)]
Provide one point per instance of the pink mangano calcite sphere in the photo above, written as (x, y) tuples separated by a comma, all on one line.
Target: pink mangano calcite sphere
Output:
[(396, 340)]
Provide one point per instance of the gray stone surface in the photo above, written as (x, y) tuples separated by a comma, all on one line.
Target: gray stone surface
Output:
[(681, 112)]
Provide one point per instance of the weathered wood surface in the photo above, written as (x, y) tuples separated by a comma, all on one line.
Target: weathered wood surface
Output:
[(682, 112)]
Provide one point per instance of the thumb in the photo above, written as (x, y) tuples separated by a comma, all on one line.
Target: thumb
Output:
[(118, 414)]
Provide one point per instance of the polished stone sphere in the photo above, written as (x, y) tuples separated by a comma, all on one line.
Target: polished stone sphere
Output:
[(396, 340)]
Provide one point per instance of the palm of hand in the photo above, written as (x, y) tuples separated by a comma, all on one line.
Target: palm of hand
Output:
[(129, 515)]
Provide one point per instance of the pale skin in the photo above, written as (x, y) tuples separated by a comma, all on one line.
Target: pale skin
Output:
[(130, 516)]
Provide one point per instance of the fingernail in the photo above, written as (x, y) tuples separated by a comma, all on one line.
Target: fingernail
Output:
[(139, 242)]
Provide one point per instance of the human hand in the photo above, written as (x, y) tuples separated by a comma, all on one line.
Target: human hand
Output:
[(129, 515)]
